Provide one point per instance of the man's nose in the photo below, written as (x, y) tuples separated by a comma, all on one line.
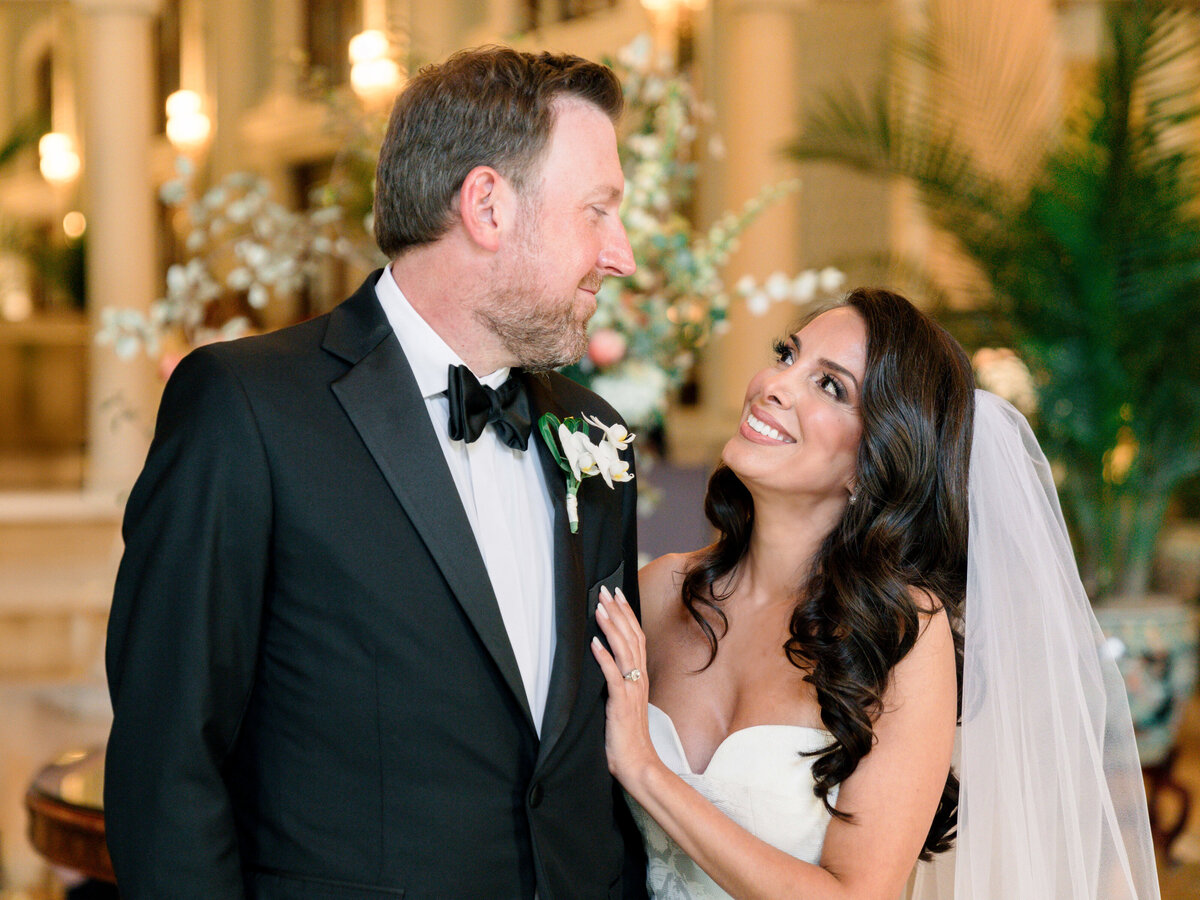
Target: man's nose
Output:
[(617, 256)]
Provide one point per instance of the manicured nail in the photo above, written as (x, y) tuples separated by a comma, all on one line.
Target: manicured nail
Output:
[(601, 611), (621, 596), (604, 593), (596, 642)]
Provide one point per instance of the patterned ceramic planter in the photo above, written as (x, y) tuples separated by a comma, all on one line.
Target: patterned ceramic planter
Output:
[(1154, 640)]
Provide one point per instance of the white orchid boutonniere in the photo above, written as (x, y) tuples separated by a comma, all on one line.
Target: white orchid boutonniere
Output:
[(576, 455)]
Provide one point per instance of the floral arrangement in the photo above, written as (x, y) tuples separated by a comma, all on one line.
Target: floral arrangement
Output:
[(648, 326), (243, 249)]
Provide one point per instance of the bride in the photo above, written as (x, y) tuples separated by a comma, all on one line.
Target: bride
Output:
[(786, 724)]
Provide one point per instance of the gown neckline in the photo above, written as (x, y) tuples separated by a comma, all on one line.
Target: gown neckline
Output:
[(733, 736)]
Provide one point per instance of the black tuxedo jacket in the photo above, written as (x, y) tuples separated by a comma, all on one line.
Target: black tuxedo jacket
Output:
[(314, 693)]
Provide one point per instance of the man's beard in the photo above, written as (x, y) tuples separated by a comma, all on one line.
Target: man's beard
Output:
[(540, 331)]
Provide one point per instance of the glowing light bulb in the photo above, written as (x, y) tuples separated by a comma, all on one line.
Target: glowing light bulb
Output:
[(188, 128), (59, 162), (368, 45), (74, 224)]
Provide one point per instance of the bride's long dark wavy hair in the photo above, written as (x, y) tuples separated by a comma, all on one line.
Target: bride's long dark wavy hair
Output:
[(856, 615)]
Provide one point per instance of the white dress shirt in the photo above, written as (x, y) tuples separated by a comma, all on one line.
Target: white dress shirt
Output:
[(504, 494)]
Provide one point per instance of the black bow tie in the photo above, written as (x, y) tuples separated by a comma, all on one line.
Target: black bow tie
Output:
[(473, 406)]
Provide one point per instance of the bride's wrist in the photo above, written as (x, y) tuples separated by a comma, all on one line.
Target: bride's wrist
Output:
[(641, 778)]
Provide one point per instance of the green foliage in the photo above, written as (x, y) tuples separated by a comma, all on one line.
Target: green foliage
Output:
[(58, 264), (1092, 263)]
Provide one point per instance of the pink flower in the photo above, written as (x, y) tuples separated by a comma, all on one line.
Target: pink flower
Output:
[(606, 347), (167, 363)]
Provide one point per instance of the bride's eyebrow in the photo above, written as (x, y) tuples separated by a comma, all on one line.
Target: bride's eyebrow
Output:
[(827, 363)]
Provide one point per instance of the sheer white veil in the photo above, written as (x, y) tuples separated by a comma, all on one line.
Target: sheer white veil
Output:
[(1052, 805)]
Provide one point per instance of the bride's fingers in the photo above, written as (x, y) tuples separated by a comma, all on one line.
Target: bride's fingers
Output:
[(635, 627), (612, 672), (623, 650), (623, 622)]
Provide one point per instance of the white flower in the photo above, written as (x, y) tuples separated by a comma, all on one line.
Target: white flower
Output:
[(758, 303), (177, 279), (636, 54), (580, 452), (831, 279), (777, 286), (637, 388), (614, 434), (239, 279), (804, 288), (173, 192), (609, 464)]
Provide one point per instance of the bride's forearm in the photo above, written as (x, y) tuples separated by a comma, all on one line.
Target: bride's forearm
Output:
[(742, 864)]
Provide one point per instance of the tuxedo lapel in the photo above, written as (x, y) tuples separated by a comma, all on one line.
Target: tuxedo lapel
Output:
[(570, 584), (380, 395)]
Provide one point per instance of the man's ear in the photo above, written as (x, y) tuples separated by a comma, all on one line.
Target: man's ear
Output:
[(486, 206)]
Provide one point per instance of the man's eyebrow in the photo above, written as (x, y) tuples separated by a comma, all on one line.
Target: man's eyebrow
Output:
[(828, 363), (611, 193)]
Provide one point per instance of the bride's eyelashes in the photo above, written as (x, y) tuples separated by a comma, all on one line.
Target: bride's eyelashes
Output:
[(832, 386), (785, 351), (785, 355)]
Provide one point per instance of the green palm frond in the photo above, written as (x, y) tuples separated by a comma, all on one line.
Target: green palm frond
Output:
[(1086, 226), (25, 134)]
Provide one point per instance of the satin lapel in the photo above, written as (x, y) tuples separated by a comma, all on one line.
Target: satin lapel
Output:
[(381, 398), (570, 585)]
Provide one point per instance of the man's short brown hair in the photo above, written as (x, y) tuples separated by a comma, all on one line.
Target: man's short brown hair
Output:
[(488, 106)]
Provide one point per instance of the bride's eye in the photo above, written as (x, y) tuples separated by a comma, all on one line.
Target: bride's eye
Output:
[(784, 354), (831, 386)]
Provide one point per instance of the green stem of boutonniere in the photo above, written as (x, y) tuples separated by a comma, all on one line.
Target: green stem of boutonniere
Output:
[(573, 504)]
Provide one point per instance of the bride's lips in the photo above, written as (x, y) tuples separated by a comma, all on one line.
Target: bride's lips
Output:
[(746, 431)]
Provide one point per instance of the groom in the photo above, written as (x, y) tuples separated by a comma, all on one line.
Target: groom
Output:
[(348, 644)]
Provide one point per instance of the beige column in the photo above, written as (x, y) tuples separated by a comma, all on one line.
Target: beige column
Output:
[(118, 86), (225, 33), (757, 115)]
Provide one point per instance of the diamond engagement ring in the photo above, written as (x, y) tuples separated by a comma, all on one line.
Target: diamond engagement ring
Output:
[(632, 675)]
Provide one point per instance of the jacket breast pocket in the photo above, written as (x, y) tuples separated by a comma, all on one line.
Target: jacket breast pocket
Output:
[(612, 581), (272, 884)]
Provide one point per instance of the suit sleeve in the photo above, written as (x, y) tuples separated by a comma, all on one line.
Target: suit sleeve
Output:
[(183, 636)]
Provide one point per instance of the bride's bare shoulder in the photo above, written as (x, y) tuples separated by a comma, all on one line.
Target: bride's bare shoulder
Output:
[(660, 581)]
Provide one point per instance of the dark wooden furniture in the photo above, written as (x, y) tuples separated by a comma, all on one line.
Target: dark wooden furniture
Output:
[(66, 813)]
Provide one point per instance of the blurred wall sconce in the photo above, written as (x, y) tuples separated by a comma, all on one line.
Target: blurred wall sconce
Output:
[(674, 27), (58, 159), (374, 75), (188, 128), (74, 224)]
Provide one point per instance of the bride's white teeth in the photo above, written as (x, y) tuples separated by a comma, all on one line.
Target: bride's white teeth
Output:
[(764, 429)]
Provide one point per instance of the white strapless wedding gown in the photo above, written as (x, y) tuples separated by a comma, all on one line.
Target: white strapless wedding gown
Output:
[(758, 778)]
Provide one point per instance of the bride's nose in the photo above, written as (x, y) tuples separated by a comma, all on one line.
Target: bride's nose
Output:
[(776, 390)]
